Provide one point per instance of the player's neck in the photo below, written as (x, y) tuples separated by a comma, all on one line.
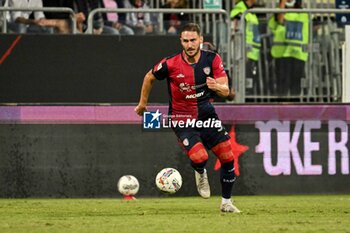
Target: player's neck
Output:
[(192, 60)]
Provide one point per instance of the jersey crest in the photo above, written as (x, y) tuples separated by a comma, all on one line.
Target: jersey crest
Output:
[(207, 70)]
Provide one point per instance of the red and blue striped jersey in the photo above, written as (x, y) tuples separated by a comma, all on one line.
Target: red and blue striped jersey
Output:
[(189, 96)]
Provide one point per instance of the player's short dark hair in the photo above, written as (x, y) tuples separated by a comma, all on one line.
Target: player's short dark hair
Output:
[(191, 27)]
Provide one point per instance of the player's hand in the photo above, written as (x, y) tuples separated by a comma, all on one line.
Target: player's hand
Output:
[(231, 95), (140, 109), (211, 83)]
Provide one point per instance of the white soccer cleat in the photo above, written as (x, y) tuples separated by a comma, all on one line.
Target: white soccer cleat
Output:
[(202, 184), (229, 207)]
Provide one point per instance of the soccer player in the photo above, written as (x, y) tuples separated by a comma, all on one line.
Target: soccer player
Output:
[(192, 76)]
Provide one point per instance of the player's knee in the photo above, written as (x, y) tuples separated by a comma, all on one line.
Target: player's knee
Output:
[(223, 151), (198, 153)]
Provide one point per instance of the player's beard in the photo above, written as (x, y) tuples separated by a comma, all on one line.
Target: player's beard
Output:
[(192, 56)]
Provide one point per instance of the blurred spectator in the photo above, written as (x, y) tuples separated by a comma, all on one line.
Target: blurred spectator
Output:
[(79, 17), (290, 39), (173, 22), (112, 19), (2, 2), (121, 16), (85, 7), (140, 22), (21, 21), (57, 3), (253, 43)]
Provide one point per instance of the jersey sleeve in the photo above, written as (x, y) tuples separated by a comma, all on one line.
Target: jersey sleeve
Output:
[(218, 67), (160, 70)]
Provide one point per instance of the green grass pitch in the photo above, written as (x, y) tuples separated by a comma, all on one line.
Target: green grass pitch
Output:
[(300, 213)]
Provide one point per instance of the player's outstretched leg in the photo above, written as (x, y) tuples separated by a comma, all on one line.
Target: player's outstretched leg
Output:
[(199, 158), (224, 153), (227, 177)]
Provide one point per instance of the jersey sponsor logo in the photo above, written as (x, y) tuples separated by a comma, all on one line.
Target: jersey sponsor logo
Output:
[(184, 87), (180, 76), (187, 87), (193, 96), (207, 70)]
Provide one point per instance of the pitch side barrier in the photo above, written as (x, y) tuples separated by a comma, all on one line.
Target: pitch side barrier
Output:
[(213, 22), (82, 151), (4, 10), (323, 68), (124, 113)]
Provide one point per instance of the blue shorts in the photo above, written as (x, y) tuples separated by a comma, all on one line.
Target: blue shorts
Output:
[(210, 137)]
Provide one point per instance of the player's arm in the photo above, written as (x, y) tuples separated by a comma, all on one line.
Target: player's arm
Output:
[(219, 81), (219, 85), (145, 91)]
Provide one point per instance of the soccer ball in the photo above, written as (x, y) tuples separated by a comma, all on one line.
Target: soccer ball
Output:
[(169, 180), (128, 185)]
